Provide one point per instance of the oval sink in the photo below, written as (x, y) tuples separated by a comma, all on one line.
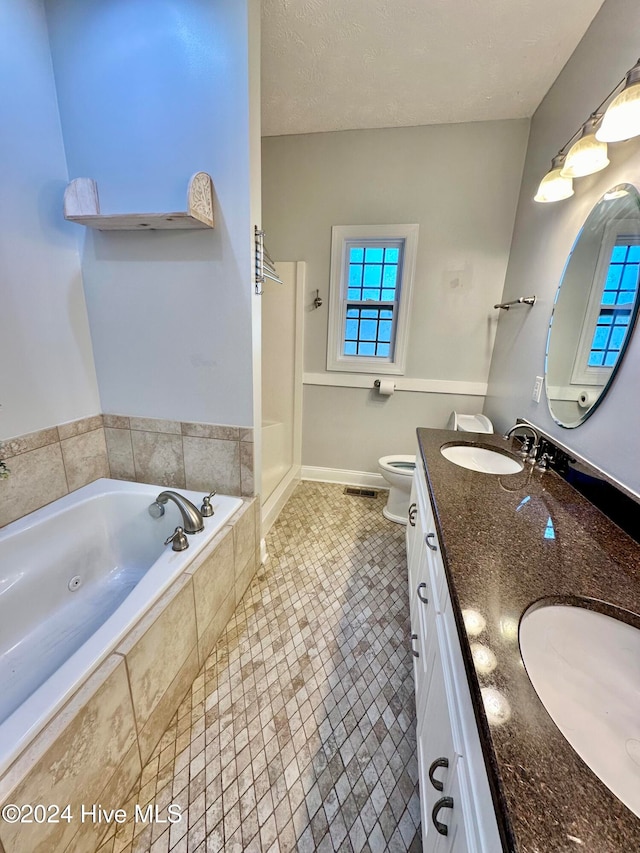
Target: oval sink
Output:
[(585, 668), (481, 459)]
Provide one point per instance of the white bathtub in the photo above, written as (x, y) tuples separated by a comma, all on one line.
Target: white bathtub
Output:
[(52, 636)]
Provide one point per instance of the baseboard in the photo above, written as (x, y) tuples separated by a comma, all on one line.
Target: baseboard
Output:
[(345, 477)]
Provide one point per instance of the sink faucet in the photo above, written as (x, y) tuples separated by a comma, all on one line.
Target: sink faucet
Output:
[(530, 451), (191, 517)]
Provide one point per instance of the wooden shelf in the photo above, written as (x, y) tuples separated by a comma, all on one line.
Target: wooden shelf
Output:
[(82, 205)]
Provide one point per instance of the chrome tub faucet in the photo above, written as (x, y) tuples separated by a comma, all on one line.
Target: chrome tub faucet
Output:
[(191, 516)]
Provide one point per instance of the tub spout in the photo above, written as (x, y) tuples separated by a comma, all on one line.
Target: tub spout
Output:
[(191, 517)]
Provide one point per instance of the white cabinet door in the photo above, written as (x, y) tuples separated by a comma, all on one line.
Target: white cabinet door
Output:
[(452, 816), (423, 642), (444, 790), (454, 789), (436, 756), (412, 537)]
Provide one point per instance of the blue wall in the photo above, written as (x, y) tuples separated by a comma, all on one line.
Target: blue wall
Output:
[(149, 93)]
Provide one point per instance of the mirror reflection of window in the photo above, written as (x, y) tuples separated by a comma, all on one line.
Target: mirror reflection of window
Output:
[(616, 305), (610, 305)]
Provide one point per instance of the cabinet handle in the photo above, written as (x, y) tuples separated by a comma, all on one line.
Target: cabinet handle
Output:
[(443, 803), (412, 515), (413, 651), (439, 762), (424, 599), (430, 544)]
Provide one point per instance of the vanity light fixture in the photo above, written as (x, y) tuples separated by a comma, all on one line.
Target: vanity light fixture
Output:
[(554, 187), (588, 155), (588, 152), (622, 119)]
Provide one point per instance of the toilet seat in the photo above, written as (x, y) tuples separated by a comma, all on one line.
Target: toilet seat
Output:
[(400, 464)]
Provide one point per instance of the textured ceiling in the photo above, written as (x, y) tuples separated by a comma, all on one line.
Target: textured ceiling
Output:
[(347, 64)]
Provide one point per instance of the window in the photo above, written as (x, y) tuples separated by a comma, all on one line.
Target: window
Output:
[(372, 270), (611, 305)]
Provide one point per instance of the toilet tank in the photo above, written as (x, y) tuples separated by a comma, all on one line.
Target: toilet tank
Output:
[(469, 423)]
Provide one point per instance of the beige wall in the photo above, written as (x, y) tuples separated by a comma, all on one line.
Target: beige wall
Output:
[(543, 237), (460, 184)]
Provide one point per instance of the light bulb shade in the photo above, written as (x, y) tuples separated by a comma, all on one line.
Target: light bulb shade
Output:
[(553, 187), (622, 118), (586, 156)]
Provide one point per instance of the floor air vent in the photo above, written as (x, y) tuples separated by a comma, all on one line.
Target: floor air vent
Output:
[(357, 492)]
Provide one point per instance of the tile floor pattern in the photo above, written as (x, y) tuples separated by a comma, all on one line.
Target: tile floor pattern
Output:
[(299, 731)]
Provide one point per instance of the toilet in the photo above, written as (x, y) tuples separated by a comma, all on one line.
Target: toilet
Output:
[(398, 470)]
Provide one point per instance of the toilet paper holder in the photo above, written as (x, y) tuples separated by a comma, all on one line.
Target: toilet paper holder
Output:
[(385, 392)]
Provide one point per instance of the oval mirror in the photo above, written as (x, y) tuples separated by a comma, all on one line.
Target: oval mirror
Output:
[(595, 307)]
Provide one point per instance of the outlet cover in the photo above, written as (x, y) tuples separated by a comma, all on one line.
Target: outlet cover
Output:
[(537, 389)]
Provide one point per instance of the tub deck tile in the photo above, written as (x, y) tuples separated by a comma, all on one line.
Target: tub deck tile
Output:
[(299, 731)]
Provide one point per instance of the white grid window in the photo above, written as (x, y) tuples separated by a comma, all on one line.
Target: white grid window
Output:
[(372, 271)]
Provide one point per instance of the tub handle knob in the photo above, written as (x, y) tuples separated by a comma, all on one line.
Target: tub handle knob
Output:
[(179, 539), (156, 510), (206, 510)]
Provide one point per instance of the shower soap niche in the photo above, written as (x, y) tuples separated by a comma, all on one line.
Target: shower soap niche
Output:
[(82, 205)]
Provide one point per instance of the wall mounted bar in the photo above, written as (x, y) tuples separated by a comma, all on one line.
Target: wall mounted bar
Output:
[(522, 300), (265, 267)]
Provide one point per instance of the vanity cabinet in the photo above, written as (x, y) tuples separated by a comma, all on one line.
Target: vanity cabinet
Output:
[(456, 805)]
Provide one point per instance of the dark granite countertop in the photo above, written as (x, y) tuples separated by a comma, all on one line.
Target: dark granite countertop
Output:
[(498, 562)]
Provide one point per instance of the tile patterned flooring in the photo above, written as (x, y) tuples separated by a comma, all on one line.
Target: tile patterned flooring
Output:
[(299, 731)]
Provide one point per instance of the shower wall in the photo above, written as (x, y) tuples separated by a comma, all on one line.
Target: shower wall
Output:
[(281, 377)]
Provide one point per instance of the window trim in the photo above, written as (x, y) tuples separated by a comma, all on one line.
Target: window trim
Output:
[(341, 236)]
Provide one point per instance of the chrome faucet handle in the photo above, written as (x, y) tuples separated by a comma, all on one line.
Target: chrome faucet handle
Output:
[(527, 444), (543, 462), (179, 539), (156, 509), (206, 510)]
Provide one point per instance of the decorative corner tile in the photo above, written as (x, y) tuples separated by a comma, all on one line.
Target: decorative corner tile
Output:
[(37, 478), (212, 463), (156, 425), (120, 453), (247, 481), (158, 458), (73, 428), (226, 433), (28, 442), (117, 421), (85, 458)]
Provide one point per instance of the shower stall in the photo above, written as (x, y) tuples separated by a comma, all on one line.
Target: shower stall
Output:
[(282, 328)]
